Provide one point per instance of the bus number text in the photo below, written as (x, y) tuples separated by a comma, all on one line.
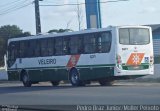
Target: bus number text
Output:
[(92, 56)]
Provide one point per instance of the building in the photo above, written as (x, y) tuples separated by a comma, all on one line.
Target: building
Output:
[(156, 39)]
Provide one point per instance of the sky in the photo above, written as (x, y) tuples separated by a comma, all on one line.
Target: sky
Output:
[(132, 12)]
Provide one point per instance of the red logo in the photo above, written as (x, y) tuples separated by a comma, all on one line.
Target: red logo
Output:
[(73, 61), (135, 59)]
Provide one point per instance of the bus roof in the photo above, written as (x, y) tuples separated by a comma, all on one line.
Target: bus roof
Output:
[(70, 33), (58, 34)]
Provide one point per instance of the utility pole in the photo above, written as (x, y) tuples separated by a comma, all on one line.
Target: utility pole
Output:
[(37, 16)]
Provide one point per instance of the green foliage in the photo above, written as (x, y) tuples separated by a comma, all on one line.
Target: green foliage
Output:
[(59, 31), (7, 32)]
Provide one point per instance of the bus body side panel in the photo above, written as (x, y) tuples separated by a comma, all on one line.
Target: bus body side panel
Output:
[(96, 73), (45, 68), (40, 75), (101, 66), (54, 68), (48, 75)]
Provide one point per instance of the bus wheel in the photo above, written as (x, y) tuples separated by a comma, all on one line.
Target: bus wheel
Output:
[(55, 83), (74, 77), (106, 82), (25, 80)]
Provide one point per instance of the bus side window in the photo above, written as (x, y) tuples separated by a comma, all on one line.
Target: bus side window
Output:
[(22, 49), (11, 55), (37, 49), (31, 47), (106, 41), (16, 50), (66, 46), (99, 44), (51, 46), (90, 43), (74, 45), (58, 46), (44, 47), (103, 42), (11, 50), (80, 45)]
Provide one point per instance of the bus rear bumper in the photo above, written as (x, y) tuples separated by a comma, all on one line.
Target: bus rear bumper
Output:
[(120, 72)]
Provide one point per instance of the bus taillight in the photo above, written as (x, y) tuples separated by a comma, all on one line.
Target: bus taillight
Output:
[(119, 61), (151, 60)]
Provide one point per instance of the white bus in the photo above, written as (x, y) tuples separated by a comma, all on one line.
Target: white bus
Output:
[(104, 55)]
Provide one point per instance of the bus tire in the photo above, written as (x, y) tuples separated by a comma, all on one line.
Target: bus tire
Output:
[(106, 82), (55, 83), (25, 79), (74, 77)]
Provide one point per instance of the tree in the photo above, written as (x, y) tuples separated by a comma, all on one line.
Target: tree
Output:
[(7, 32)]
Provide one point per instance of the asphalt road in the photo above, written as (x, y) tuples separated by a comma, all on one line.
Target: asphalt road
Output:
[(45, 94)]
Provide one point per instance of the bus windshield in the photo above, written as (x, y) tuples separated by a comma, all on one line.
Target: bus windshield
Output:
[(134, 36)]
